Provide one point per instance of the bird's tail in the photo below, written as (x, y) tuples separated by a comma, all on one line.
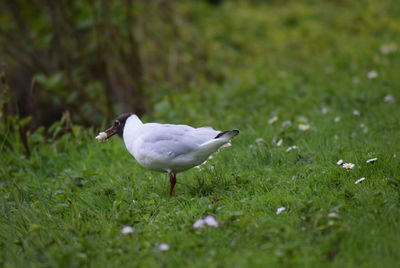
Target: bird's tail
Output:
[(211, 146)]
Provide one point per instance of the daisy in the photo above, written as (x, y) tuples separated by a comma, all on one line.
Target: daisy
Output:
[(59, 191), (348, 165), (207, 221), (211, 221), (163, 247), (286, 123), (371, 160), (199, 223), (279, 143), (324, 110), (356, 112), (260, 141), (303, 127), (359, 180), (340, 162), (127, 230), (273, 120), (333, 215), (280, 210), (291, 148), (388, 99), (388, 48), (372, 75)]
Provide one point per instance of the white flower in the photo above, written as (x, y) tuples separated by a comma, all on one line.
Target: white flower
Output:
[(163, 247), (127, 230), (279, 142), (280, 210), (291, 148), (286, 123), (337, 119), (359, 180), (60, 191), (208, 220), (372, 75), (388, 48), (303, 127), (324, 110), (199, 223), (102, 136), (348, 165), (273, 120), (339, 162), (388, 99), (356, 112), (371, 160), (333, 215), (228, 144), (211, 221), (260, 141), (364, 128)]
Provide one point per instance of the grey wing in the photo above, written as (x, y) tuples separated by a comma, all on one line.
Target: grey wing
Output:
[(203, 134), (174, 140)]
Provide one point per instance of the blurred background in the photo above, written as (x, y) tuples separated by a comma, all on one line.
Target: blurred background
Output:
[(88, 61), (97, 58)]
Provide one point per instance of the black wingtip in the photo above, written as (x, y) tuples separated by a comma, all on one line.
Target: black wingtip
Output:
[(231, 132)]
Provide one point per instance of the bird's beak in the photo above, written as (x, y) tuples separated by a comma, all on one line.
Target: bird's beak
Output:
[(111, 132)]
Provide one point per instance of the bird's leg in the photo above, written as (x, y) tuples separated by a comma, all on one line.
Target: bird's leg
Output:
[(172, 181)]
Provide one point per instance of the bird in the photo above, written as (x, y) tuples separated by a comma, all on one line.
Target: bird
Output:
[(167, 148)]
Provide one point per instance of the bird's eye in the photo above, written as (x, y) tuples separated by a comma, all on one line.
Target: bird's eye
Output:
[(117, 123)]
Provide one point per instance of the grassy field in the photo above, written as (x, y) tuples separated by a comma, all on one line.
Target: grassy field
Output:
[(324, 66)]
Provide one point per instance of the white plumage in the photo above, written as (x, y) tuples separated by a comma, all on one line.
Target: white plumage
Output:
[(165, 147), (170, 148)]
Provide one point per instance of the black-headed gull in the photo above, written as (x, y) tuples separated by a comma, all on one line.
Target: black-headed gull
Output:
[(166, 147)]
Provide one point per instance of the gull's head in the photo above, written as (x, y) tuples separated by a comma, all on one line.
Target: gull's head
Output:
[(117, 127)]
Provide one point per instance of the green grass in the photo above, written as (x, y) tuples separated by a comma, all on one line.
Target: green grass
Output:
[(66, 204)]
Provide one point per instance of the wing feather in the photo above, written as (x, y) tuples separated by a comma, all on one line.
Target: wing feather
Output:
[(166, 140)]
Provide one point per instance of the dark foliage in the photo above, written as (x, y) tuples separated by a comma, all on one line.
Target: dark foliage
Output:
[(94, 58)]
